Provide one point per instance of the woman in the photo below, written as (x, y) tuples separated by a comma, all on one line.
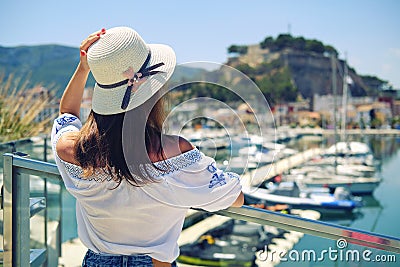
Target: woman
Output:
[(133, 184)]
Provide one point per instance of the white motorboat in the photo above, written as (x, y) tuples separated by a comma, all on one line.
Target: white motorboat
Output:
[(348, 149), (259, 156), (245, 140), (291, 194), (355, 185), (208, 139), (347, 169), (351, 153)]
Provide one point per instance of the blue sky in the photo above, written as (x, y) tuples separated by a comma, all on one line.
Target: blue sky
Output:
[(367, 30)]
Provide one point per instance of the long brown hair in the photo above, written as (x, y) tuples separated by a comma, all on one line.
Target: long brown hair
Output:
[(119, 145)]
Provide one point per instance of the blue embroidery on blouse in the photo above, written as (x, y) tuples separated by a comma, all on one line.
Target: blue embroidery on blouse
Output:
[(217, 180), (163, 167), (76, 172), (174, 164), (211, 168), (73, 170), (233, 175), (64, 120)]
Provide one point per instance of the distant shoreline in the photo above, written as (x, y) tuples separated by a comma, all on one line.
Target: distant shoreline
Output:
[(310, 131)]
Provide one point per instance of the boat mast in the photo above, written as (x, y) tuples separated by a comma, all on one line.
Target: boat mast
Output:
[(334, 92), (344, 101)]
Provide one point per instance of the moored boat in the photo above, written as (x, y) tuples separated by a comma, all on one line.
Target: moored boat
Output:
[(355, 185), (291, 194), (342, 169), (233, 243)]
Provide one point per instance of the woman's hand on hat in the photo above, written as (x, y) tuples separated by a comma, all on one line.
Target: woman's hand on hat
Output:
[(94, 37)]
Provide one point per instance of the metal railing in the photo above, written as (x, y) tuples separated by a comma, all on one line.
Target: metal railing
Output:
[(18, 209)]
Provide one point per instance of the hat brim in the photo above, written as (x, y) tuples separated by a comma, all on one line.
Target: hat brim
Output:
[(108, 101)]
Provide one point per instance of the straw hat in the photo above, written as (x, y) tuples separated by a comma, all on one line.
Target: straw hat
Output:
[(121, 52)]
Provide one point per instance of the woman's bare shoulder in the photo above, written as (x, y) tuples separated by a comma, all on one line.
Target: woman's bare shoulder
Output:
[(65, 147), (174, 145)]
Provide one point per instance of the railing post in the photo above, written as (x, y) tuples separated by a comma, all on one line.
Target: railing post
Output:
[(21, 227), (46, 219), (45, 148), (7, 213), (21, 214), (60, 196), (16, 224)]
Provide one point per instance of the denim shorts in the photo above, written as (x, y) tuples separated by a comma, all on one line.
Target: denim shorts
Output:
[(93, 259)]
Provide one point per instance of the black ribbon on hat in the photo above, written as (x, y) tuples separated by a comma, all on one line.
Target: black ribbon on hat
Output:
[(145, 72)]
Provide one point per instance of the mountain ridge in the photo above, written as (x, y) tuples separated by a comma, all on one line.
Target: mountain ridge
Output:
[(283, 67), (52, 66)]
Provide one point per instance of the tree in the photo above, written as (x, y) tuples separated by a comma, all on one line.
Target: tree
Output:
[(277, 86), (267, 43), (315, 46), (284, 41), (299, 43), (246, 69), (331, 50), (240, 49)]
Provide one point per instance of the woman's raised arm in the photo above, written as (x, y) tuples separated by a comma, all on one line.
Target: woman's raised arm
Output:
[(72, 97)]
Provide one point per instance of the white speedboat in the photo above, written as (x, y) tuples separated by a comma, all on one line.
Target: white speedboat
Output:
[(356, 185), (290, 193), (244, 140), (342, 169), (259, 156), (349, 149), (351, 153), (208, 139)]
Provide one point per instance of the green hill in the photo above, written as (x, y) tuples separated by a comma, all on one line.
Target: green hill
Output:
[(53, 65), (48, 65)]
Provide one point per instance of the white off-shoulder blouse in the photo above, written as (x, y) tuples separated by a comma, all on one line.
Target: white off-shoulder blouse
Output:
[(143, 220)]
